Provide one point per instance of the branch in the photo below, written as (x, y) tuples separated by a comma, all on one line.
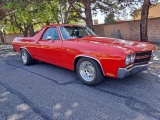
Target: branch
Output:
[(37, 23), (79, 5), (78, 14)]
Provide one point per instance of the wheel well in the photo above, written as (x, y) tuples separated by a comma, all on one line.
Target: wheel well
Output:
[(23, 48), (78, 58), (76, 61), (26, 50)]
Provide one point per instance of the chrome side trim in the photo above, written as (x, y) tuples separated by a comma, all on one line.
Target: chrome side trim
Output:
[(141, 57), (142, 63), (144, 51), (26, 50), (129, 66), (137, 66), (91, 58)]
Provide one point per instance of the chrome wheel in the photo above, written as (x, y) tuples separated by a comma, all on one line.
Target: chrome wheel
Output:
[(87, 71), (24, 57)]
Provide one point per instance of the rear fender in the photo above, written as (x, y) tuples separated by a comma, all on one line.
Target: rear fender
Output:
[(26, 50)]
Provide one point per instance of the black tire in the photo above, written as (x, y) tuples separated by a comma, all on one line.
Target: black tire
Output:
[(29, 59), (98, 76)]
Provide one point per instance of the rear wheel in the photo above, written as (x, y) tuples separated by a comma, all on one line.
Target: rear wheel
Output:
[(26, 58), (89, 71)]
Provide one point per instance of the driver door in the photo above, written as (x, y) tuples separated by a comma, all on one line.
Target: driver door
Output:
[(49, 47)]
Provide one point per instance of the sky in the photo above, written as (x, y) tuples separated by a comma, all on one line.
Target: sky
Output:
[(124, 16), (100, 18)]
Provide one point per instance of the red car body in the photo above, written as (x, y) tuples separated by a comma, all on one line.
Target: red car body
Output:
[(110, 53)]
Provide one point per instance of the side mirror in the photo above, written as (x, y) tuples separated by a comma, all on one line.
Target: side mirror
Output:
[(49, 38)]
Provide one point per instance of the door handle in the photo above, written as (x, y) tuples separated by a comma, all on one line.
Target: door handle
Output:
[(37, 42)]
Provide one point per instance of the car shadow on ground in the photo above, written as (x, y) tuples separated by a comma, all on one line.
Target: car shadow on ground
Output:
[(14, 59)]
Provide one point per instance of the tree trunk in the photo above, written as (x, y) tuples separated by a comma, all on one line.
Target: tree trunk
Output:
[(87, 10), (13, 30), (25, 31), (47, 22), (88, 14), (1, 37), (31, 30), (144, 20)]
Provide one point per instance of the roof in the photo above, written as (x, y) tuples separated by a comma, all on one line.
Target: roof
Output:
[(51, 25)]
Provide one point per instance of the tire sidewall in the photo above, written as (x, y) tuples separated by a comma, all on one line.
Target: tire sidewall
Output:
[(27, 55), (98, 72)]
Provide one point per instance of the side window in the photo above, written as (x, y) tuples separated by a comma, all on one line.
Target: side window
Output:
[(65, 33), (82, 32), (51, 34)]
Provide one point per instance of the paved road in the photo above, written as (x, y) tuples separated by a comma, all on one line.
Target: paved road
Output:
[(45, 92)]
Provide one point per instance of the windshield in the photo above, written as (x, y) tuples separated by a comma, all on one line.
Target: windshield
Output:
[(69, 32)]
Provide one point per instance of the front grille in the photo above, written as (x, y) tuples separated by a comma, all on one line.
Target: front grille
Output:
[(143, 57), (144, 53)]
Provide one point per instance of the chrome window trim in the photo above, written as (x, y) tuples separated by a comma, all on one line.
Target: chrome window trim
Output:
[(61, 32)]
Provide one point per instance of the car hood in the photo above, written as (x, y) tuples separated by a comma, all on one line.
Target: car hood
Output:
[(125, 45)]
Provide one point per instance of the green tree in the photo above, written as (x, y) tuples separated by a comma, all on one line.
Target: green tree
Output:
[(135, 13), (61, 11), (25, 14), (110, 18), (85, 9), (90, 7), (20, 15)]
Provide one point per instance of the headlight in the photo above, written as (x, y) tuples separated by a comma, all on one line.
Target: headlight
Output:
[(152, 53), (132, 57), (128, 59)]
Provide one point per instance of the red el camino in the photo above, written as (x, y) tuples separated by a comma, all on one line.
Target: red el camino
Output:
[(78, 48)]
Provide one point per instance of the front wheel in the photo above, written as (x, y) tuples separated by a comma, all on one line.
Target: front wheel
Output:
[(89, 71)]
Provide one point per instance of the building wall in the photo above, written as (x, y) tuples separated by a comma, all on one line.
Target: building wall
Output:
[(123, 27), (99, 30), (10, 37), (153, 12), (130, 30)]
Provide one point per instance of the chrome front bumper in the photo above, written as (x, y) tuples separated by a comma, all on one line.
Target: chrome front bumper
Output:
[(122, 72)]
